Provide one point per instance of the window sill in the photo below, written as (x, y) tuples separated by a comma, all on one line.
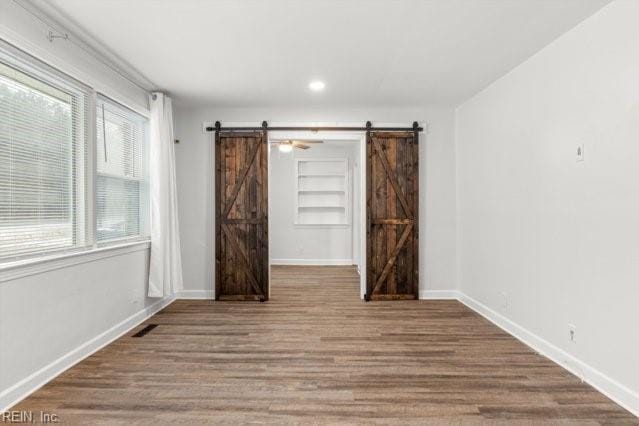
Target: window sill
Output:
[(24, 268)]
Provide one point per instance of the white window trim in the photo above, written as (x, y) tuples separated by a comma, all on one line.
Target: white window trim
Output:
[(37, 265)]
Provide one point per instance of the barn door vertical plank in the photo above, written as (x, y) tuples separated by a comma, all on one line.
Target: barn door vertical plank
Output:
[(229, 166), (252, 214), (400, 167), (256, 264), (239, 209), (408, 252), (249, 268), (391, 212), (381, 197), (230, 179)]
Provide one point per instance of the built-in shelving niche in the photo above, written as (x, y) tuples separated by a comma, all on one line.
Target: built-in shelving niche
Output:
[(322, 191)]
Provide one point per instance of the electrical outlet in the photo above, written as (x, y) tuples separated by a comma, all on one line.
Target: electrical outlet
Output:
[(572, 333), (579, 153)]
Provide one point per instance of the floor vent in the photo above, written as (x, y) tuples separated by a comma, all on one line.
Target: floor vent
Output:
[(145, 330)]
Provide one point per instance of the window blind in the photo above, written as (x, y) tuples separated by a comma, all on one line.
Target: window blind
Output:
[(42, 158), (122, 188)]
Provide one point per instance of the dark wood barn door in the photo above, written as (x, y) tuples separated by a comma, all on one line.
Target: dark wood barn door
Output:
[(241, 216), (392, 180)]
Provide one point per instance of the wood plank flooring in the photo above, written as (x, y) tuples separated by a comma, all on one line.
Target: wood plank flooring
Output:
[(316, 354)]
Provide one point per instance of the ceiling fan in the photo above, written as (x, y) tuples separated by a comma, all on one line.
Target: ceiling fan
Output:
[(289, 144)]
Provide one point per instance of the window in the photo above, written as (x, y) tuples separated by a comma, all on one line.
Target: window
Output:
[(42, 158), (63, 184), (122, 172)]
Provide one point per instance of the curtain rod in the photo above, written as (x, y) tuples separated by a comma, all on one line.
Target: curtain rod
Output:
[(369, 127)]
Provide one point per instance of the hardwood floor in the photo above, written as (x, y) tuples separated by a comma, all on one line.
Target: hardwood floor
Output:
[(315, 354)]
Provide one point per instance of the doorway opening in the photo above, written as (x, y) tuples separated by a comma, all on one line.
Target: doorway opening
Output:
[(316, 200)]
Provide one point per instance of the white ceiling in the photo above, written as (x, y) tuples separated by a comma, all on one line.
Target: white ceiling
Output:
[(370, 53)]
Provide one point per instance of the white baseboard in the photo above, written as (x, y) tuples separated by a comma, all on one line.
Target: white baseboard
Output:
[(195, 294), (439, 295), (614, 390), (16, 393), (318, 262)]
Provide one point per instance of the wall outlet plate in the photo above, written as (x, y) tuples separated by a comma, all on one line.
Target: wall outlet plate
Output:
[(579, 153)]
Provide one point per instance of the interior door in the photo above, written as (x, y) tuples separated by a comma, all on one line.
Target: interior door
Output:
[(241, 216), (392, 177)]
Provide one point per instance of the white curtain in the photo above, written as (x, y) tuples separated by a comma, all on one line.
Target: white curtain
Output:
[(165, 274)]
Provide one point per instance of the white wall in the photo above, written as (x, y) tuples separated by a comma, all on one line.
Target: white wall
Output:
[(544, 240), (307, 244), (19, 27), (437, 184), (52, 318)]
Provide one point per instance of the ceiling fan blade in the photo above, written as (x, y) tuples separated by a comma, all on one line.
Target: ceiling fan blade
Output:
[(301, 145)]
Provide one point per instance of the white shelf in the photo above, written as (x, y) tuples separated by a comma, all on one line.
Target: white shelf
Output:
[(322, 191), (320, 175), (321, 207), (321, 187)]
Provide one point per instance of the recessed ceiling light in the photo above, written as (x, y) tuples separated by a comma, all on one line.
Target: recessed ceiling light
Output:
[(316, 86)]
